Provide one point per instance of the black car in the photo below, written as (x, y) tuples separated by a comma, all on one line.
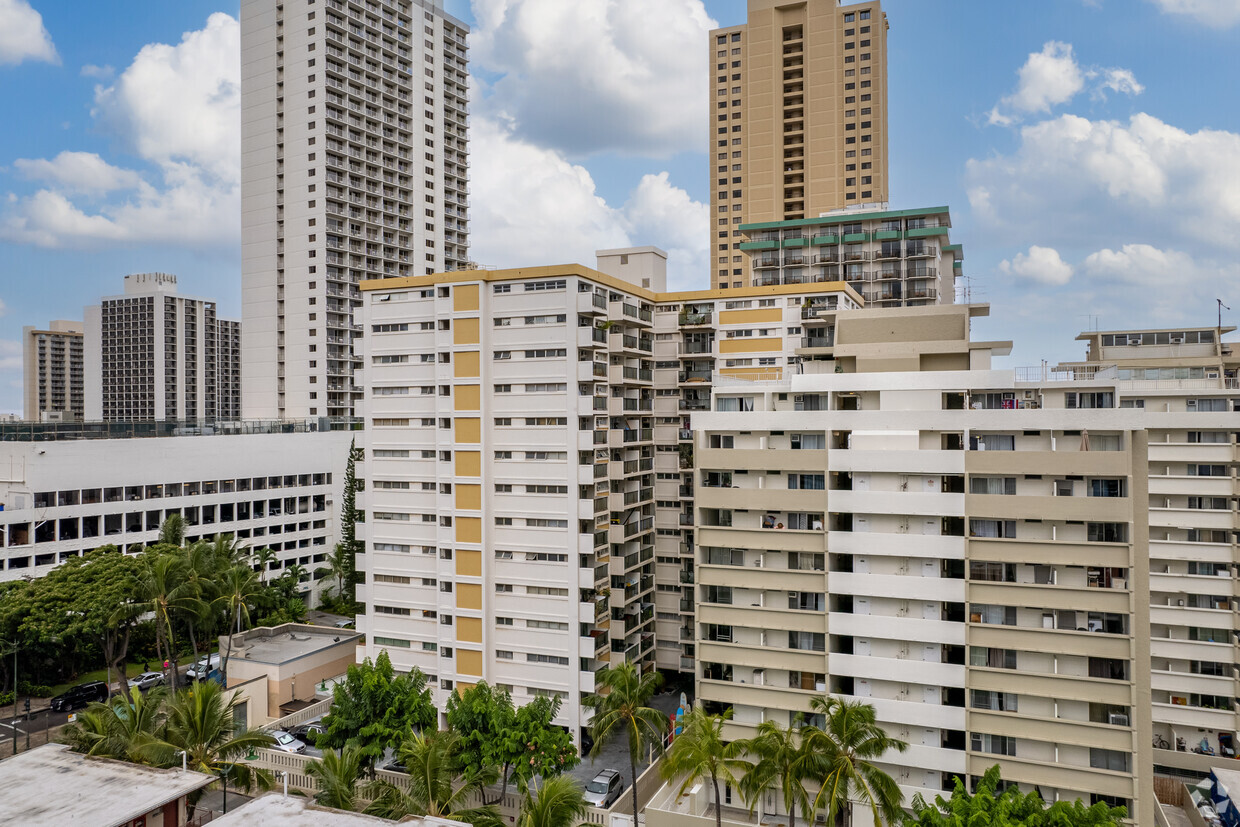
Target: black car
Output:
[(308, 731), (79, 696)]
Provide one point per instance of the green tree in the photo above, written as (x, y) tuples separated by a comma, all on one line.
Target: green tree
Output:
[(623, 711), (200, 724), (374, 709), (238, 590), (845, 750), (439, 785), (349, 517), (783, 763), (159, 589), (172, 531), (700, 752), (558, 802), (263, 558), (122, 728), (337, 568), (337, 774), (1008, 809)]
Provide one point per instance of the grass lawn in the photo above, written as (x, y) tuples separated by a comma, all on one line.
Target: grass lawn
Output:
[(131, 669)]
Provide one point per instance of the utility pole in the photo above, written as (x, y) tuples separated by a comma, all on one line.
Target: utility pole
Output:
[(14, 645)]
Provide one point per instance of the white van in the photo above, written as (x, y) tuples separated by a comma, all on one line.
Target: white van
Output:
[(204, 667)]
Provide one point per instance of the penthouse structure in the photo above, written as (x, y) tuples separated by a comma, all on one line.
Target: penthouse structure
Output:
[(798, 98), (355, 164)]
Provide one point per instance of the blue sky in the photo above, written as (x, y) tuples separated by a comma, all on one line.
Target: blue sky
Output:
[(1089, 149)]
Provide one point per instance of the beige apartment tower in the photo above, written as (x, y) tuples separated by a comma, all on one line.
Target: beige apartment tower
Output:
[(798, 99), (52, 371)]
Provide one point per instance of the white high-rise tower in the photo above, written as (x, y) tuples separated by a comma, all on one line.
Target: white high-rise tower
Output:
[(354, 166)]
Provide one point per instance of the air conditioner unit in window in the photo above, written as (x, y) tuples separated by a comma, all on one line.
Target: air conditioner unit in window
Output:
[(1117, 719), (1177, 340)]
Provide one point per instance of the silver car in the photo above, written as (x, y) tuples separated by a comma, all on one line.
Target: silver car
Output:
[(604, 789), (146, 680), (287, 742)]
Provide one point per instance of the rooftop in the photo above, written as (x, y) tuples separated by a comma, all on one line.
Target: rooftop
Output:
[(274, 810), (54, 786), (30, 431), (288, 642)]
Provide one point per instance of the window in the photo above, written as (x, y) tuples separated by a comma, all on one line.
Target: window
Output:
[(503, 621), (557, 660), (549, 591), (992, 485), (553, 625), (993, 744)]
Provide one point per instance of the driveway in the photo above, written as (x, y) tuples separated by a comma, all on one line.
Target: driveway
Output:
[(615, 752)]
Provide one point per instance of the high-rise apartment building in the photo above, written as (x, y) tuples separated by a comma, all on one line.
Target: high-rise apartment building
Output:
[(798, 126), (354, 166), (52, 379), (153, 355), (787, 495), (894, 258)]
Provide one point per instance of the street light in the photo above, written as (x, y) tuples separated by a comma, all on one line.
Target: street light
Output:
[(14, 645)]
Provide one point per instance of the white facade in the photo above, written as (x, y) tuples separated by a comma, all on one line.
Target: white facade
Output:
[(64, 496), (354, 166)]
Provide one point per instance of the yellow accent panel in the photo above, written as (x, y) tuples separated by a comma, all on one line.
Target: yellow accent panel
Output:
[(465, 298), (468, 397), (469, 431), (750, 345), (754, 374), (465, 332), (469, 596), (469, 497), (469, 529), (462, 687), (469, 629), (469, 563), (467, 365), (468, 662), (468, 464), (762, 314)]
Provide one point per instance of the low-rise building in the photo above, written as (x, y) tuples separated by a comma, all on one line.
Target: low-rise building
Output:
[(286, 664), (53, 786), (276, 810)]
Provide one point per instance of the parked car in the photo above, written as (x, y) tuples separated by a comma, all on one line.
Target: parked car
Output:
[(146, 680), (286, 742), (604, 789), (309, 731), (345, 623), (79, 696), (203, 668)]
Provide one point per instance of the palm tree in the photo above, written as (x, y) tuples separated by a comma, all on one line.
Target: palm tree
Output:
[(200, 724), (559, 802), (227, 551), (337, 774), (172, 530), (199, 576), (783, 763), (700, 751), (337, 567), (263, 558), (159, 590), (844, 750), (434, 768), (238, 588), (120, 728), (623, 710)]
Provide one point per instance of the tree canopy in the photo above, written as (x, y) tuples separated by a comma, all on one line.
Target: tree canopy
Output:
[(1010, 808), (374, 709)]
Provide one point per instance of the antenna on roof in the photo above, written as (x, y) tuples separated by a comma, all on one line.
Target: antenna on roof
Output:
[(1221, 308), (1091, 321)]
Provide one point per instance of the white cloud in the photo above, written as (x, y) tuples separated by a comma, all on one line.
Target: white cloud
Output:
[(178, 109), (1052, 77), (4, 308), (1127, 277), (78, 172), (1120, 80), (90, 70), (1217, 14), (530, 205), (1143, 265), (587, 77), (1048, 78), (1040, 264), (1074, 180), (22, 35)]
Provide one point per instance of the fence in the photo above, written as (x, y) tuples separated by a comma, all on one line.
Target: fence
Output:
[(315, 710)]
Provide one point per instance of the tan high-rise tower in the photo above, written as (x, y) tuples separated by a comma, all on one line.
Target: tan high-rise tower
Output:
[(798, 100)]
